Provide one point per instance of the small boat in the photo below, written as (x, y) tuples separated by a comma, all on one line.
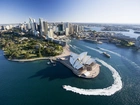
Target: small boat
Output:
[(107, 55), (48, 63), (99, 42), (63, 86), (54, 64)]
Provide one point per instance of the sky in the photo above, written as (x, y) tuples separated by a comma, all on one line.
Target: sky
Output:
[(85, 11)]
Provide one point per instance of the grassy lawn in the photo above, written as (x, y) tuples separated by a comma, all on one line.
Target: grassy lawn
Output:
[(15, 48)]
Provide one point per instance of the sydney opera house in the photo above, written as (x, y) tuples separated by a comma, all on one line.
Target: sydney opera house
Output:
[(83, 65)]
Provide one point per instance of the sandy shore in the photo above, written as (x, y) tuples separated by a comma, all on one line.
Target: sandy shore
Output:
[(66, 52)]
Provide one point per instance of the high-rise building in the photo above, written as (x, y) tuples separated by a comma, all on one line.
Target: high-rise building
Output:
[(41, 26), (66, 28), (36, 26), (32, 21), (80, 28), (60, 27), (67, 31), (66, 25), (50, 33), (55, 28), (2, 27), (75, 28), (28, 26), (71, 29), (45, 24)]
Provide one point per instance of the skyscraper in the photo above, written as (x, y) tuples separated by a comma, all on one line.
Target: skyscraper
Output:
[(67, 31), (32, 21), (60, 27), (76, 28), (66, 25), (66, 28), (71, 28), (80, 28), (50, 33), (45, 24), (41, 26)]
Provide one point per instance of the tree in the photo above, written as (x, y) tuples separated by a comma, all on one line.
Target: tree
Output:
[(39, 54), (15, 55), (27, 55)]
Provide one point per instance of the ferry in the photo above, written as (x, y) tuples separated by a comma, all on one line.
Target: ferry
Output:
[(107, 55)]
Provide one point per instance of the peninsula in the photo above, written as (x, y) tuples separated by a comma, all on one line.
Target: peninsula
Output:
[(28, 48), (81, 65)]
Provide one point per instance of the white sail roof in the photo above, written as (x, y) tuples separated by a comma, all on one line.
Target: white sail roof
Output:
[(79, 66), (85, 59), (71, 60), (76, 64), (74, 55), (89, 61), (82, 55), (78, 61)]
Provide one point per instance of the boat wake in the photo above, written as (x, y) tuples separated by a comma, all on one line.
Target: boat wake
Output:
[(75, 48), (116, 86), (133, 63), (94, 49)]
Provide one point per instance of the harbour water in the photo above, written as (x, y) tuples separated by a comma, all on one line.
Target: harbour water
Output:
[(129, 33), (37, 83)]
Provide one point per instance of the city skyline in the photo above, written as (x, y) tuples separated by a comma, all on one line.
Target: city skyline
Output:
[(84, 11)]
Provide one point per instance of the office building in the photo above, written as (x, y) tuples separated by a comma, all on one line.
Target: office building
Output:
[(75, 28), (32, 21), (71, 29), (60, 27), (50, 33), (41, 26), (66, 25), (67, 31), (45, 24)]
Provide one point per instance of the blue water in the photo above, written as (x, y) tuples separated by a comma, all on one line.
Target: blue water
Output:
[(36, 83), (130, 33)]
